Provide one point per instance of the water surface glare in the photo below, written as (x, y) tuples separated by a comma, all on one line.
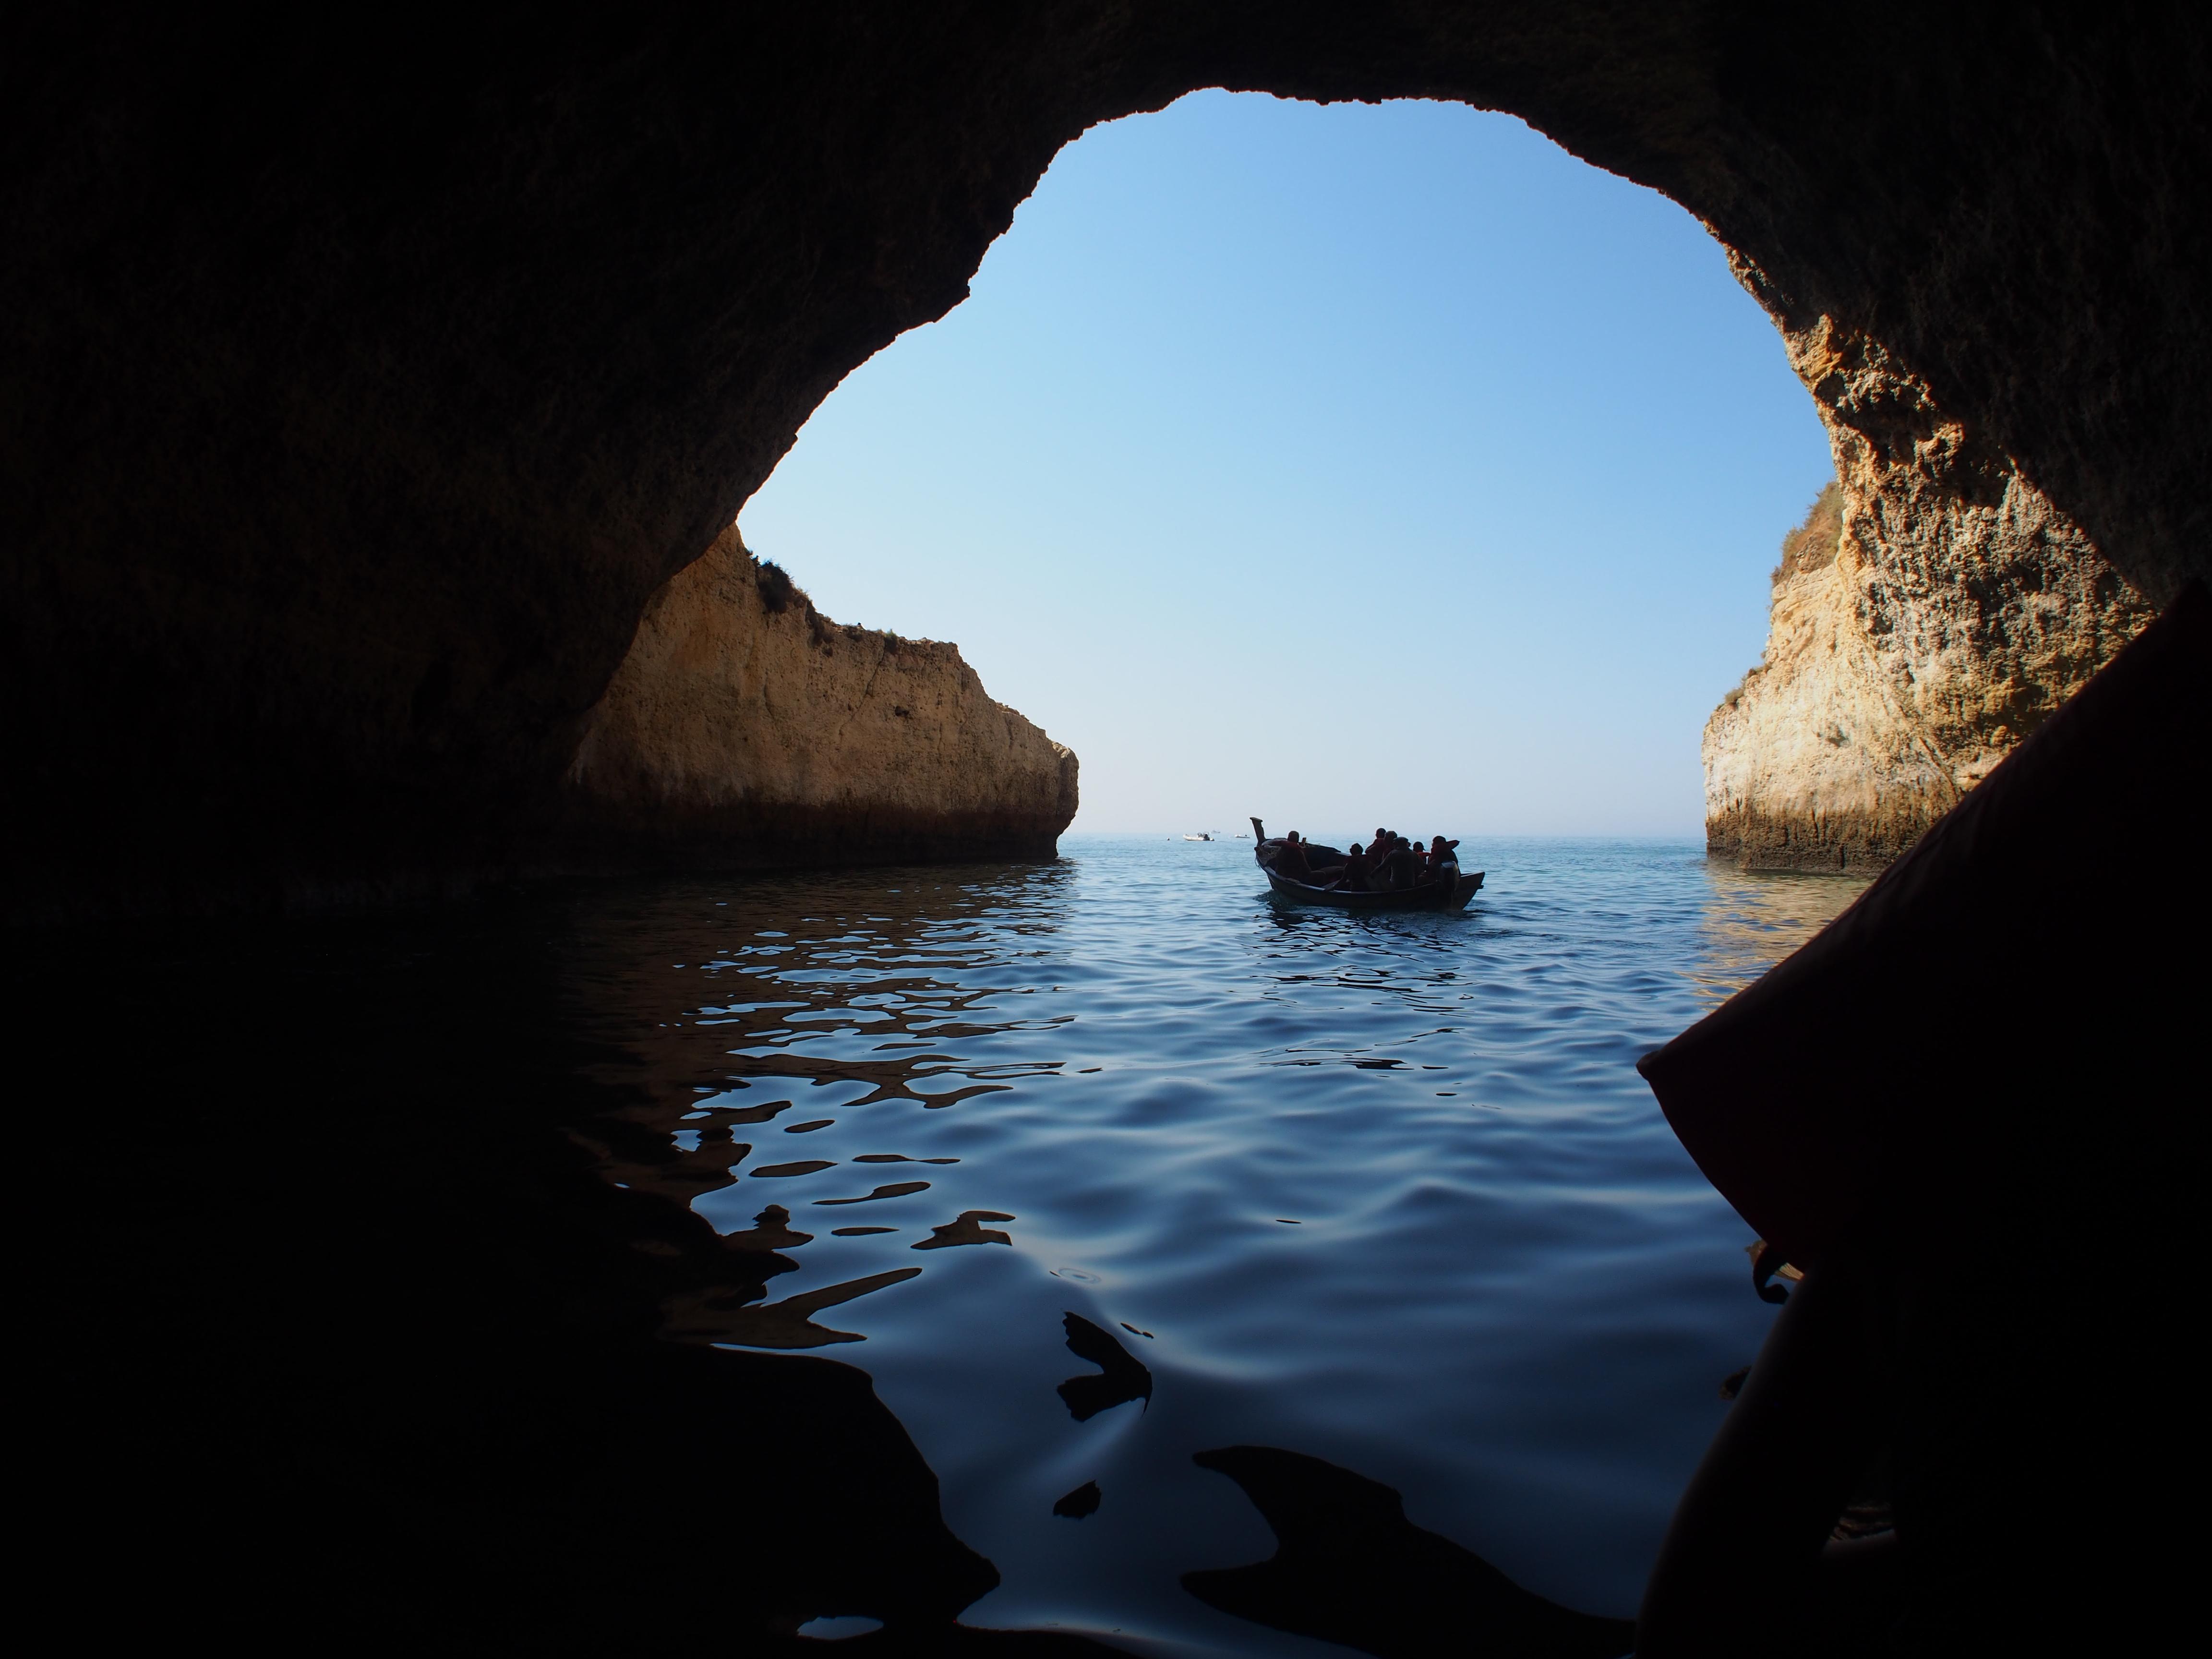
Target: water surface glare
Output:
[(1386, 1190)]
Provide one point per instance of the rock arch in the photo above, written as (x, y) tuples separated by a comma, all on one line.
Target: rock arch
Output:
[(363, 387)]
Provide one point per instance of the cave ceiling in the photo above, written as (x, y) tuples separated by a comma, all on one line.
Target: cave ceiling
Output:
[(364, 381)]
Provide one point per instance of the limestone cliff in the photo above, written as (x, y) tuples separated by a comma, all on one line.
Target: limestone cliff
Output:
[(745, 729), (1932, 610)]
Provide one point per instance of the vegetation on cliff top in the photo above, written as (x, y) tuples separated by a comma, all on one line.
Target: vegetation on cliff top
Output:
[(1812, 546), (778, 593)]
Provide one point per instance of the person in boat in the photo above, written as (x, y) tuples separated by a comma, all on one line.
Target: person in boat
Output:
[(1290, 858), (1395, 865), (1442, 862), (1355, 876)]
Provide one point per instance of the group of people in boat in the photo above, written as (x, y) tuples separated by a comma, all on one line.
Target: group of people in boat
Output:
[(1389, 863)]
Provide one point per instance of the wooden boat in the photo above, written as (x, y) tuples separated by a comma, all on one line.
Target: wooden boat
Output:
[(1448, 895)]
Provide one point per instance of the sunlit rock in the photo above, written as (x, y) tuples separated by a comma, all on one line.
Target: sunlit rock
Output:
[(745, 728), (1933, 610)]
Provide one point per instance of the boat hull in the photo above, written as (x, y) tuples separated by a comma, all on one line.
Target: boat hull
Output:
[(1435, 896)]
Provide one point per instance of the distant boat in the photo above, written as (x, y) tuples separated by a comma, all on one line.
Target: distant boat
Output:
[(1198, 837), (1447, 895)]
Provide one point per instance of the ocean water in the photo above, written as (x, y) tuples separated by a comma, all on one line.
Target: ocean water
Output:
[(1382, 1190)]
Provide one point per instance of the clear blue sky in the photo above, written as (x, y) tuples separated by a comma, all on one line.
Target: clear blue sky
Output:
[(1342, 465)]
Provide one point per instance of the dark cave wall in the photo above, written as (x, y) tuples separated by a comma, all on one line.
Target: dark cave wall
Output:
[(362, 384)]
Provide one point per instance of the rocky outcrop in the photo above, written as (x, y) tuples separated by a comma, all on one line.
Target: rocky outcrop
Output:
[(1933, 609), (359, 390), (744, 728)]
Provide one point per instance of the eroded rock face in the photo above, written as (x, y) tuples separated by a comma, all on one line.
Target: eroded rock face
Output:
[(745, 729), (359, 389), (1934, 609)]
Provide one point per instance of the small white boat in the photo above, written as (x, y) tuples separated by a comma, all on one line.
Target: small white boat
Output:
[(1197, 838)]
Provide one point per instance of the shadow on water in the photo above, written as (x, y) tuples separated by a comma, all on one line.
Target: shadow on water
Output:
[(1121, 1377), (431, 1294), (1349, 1568), (369, 1347)]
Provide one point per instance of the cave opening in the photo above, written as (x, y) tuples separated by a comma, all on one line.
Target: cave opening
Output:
[(361, 414), (1394, 419)]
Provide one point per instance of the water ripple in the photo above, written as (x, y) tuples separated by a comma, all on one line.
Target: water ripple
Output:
[(1384, 1189)]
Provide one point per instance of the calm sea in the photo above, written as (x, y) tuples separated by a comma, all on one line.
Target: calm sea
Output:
[(1382, 1190)]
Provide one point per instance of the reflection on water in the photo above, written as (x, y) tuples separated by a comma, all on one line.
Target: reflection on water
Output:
[(1754, 919), (915, 1242), (1384, 1189), (1120, 1378), (1349, 1568)]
